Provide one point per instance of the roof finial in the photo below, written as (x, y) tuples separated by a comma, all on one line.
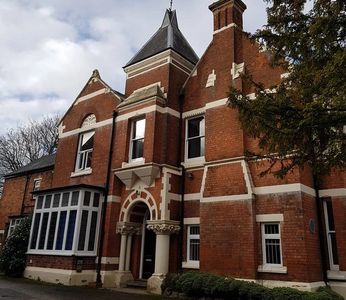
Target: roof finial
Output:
[(171, 5)]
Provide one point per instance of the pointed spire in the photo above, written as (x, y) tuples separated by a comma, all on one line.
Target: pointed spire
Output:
[(167, 37)]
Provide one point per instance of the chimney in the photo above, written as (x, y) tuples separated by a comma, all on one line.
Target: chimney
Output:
[(227, 13)]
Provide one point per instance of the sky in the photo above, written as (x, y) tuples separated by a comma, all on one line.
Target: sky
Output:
[(49, 48)]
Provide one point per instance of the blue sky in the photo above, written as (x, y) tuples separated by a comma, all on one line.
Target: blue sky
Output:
[(49, 48)]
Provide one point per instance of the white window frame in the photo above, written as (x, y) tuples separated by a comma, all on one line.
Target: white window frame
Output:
[(192, 264), (37, 180), (333, 267), (13, 224), (133, 122), (83, 154), (199, 158), (79, 208), (266, 236)]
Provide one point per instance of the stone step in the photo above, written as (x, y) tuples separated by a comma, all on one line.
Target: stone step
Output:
[(139, 284)]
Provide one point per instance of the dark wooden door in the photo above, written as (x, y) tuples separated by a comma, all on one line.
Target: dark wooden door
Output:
[(149, 254)]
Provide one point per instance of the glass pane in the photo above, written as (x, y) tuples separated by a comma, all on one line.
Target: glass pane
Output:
[(272, 247), (65, 198), (86, 201), (194, 148), (74, 200), (56, 201), (195, 127), (194, 230), (48, 201), (39, 202), (43, 231), (87, 141), (35, 231), (81, 160), (89, 156), (331, 224), (51, 232), (82, 232), (139, 129), (61, 229), (92, 234), (334, 248), (70, 230), (96, 202), (137, 148), (194, 249), (271, 229)]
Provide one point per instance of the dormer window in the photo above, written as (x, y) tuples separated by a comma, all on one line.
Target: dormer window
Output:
[(137, 139), (85, 151)]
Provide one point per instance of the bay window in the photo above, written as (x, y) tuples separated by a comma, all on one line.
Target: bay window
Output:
[(66, 223), (195, 138)]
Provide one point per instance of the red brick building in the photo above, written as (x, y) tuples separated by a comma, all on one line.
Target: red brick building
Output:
[(155, 180)]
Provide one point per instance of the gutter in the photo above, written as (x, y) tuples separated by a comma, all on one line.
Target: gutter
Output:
[(25, 190), (104, 205)]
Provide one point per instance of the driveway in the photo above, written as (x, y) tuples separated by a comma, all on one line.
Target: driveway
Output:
[(26, 289)]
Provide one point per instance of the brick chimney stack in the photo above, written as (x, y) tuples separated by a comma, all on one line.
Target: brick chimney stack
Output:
[(227, 13)]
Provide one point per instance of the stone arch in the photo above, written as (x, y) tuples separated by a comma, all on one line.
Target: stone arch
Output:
[(137, 197), (88, 120)]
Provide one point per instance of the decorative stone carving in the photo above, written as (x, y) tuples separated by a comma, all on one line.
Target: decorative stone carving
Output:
[(164, 227), (211, 79), (128, 228), (237, 70), (89, 120)]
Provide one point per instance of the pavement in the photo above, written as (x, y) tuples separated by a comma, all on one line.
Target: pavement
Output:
[(19, 288)]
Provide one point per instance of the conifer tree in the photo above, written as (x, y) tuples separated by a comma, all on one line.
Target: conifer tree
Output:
[(301, 122)]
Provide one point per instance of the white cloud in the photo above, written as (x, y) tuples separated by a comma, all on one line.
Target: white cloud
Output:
[(51, 47)]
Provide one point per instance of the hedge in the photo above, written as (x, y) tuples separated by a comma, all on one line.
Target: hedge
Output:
[(198, 285)]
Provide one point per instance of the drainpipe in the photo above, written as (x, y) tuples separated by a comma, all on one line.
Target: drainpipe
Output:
[(104, 206), (182, 186), (25, 190)]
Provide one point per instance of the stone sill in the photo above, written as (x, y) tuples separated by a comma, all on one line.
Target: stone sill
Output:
[(81, 173), (336, 275), (190, 265), (272, 269)]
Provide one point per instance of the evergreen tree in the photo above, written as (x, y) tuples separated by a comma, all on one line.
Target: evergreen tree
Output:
[(301, 122)]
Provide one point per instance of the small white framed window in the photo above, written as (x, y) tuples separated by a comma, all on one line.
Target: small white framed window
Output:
[(13, 224), (193, 245), (66, 223), (195, 138), (137, 139), (271, 244), (85, 151), (37, 184), (331, 235)]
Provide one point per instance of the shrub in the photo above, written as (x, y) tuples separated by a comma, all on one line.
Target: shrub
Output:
[(12, 258), (196, 284)]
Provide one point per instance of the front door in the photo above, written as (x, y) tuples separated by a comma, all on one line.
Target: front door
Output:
[(149, 254)]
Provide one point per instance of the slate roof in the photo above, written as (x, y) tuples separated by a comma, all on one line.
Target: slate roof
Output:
[(45, 162), (167, 37)]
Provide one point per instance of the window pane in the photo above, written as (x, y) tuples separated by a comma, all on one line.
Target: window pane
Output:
[(65, 198), (331, 224), (35, 231), (51, 232), (70, 230), (56, 200), (39, 202), (194, 249), (334, 249), (87, 141), (137, 148), (43, 231), (194, 230), (82, 232), (96, 202), (74, 200), (139, 129), (48, 201), (61, 229), (271, 229), (86, 201), (272, 247), (195, 127), (92, 231), (194, 148), (89, 156)]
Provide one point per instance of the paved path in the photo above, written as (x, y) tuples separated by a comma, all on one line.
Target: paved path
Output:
[(26, 289)]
